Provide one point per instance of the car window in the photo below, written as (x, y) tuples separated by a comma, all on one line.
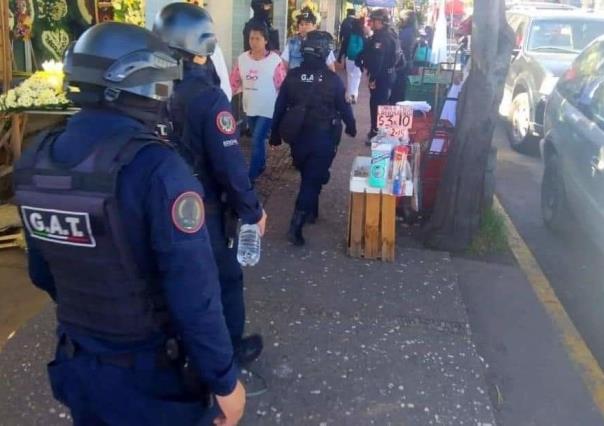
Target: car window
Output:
[(588, 67), (563, 35)]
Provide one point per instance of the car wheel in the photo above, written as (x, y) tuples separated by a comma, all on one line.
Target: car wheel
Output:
[(554, 204), (519, 129)]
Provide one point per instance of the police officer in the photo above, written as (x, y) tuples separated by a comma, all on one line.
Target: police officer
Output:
[(263, 10), (380, 58), (205, 132), (316, 95), (139, 314)]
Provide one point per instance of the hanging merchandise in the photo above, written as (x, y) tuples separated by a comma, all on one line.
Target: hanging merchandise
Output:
[(381, 3), (439, 44)]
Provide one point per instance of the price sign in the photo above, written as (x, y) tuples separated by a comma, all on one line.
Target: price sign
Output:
[(395, 119)]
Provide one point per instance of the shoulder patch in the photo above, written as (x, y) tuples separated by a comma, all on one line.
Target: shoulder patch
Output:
[(188, 212), (226, 122)]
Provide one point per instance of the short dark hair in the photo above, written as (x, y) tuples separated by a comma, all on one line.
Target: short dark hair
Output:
[(260, 28), (350, 12)]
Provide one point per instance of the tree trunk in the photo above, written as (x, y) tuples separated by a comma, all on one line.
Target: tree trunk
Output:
[(458, 209)]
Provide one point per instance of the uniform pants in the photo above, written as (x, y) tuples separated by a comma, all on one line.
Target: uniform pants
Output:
[(99, 394), (353, 81), (312, 158), (380, 96), (230, 275)]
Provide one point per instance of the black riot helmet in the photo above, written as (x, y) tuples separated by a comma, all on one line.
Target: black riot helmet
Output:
[(380, 15), (186, 28), (114, 58), (317, 45), (262, 8)]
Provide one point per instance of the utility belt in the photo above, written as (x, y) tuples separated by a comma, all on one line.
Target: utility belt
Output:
[(170, 355)]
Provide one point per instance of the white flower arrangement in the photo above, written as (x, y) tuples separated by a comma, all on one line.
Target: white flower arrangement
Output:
[(43, 90)]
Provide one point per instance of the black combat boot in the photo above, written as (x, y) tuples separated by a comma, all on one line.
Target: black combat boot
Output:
[(294, 235)]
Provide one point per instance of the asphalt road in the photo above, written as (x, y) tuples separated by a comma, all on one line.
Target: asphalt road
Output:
[(573, 265)]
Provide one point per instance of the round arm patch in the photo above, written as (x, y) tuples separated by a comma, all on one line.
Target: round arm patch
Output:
[(226, 123), (188, 213)]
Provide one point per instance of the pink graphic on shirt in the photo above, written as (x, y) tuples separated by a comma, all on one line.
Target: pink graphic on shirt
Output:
[(252, 75)]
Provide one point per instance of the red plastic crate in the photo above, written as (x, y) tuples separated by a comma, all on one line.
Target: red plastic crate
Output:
[(432, 169)]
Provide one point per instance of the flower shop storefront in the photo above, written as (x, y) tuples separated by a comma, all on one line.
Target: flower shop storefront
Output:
[(34, 35)]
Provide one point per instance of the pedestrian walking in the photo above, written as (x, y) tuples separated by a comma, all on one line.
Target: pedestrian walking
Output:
[(308, 114), (292, 54), (407, 35), (346, 30), (263, 16), (380, 58), (205, 132), (141, 335), (258, 73), (353, 47)]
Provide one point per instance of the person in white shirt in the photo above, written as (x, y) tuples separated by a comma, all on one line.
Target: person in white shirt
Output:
[(259, 74), (292, 54)]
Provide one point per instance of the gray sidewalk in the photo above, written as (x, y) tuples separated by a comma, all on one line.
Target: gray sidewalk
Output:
[(348, 341), (355, 342)]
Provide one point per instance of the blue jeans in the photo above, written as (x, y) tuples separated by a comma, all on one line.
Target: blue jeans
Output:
[(260, 127)]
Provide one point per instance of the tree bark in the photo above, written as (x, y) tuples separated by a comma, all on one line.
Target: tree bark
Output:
[(459, 205)]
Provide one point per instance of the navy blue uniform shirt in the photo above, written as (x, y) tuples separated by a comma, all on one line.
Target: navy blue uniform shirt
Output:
[(380, 53), (147, 190), (214, 135)]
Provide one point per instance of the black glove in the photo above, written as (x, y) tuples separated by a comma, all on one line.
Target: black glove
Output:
[(275, 139), (351, 131)]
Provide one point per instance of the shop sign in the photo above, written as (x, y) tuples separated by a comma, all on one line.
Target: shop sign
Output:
[(395, 118)]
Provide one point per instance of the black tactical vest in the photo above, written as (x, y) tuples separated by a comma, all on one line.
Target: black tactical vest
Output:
[(73, 217), (316, 89)]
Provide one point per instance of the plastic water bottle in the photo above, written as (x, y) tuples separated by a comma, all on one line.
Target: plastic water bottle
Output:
[(248, 252)]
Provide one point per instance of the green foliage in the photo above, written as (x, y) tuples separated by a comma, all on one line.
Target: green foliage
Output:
[(492, 236)]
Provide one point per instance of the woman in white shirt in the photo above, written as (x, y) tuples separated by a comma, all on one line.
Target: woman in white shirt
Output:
[(259, 74)]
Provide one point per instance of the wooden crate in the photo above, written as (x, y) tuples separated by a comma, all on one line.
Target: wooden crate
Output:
[(11, 234), (372, 226), (14, 239)]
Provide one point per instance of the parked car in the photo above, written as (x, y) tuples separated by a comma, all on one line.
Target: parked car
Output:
[(547, 42), (573, 147)]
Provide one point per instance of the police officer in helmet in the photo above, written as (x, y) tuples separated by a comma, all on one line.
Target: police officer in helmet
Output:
[(381, 58), (205, 132), (142, 337), (308, 114)]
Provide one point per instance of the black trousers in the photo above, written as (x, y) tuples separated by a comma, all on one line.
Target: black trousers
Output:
[(313, 157), (380, 96)]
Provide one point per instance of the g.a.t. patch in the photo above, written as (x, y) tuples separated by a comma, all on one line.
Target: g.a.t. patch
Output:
[(188, 214), (226, 122), (58, 226)]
